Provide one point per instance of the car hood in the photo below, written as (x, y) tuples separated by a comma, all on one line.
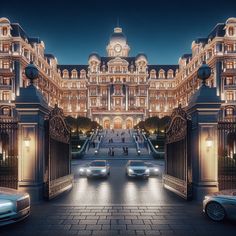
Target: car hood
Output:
[(11, 194), (229, 193)]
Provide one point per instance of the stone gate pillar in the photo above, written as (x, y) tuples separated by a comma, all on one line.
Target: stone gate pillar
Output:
[(32, 108), (204, 108)]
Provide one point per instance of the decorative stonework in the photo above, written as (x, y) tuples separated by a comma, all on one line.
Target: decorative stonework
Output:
[(178, 125), (58, 129)]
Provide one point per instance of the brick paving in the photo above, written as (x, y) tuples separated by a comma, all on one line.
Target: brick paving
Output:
[(166, 219)]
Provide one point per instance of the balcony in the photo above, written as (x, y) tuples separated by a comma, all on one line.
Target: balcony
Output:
[(5, 87), (229, 86)]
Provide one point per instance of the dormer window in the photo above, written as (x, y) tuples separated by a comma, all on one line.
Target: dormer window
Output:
[(153, 74), (74, 74), (231, 31), (65, 74), (170, 74), (161, 74), (82, 74), (4, 31)]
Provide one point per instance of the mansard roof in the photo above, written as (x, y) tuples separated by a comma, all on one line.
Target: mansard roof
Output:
[(17, 31), (218, 31), (163, 67), (72, 67)]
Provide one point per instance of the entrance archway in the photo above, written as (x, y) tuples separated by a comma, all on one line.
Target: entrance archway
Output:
[(117, 123), (129, 124), (106, 124)]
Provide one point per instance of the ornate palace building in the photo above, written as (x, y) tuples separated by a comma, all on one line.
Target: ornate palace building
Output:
[(117, 90)]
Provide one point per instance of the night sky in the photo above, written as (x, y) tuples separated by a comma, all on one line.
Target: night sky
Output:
[(164, 30)]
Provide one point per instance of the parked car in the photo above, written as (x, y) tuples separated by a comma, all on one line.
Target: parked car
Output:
[(98, 168), (220, 205), (14, 206), (137, 169), (153, 169)]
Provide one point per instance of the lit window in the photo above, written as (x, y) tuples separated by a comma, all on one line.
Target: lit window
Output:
[(170, 74), (6, 111), (65, 74), (231, 31), (74, 74), (229, 96), (4, 31), (229, 80), (161, 74), (6, 65), (230, 65), (229, 111)]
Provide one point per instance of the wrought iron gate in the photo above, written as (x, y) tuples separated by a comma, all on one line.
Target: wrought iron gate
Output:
[(8, 154), (227, 154), (58, 176), (178, 169)]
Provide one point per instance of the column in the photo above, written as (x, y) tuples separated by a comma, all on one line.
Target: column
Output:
[(109, 98), (126, 97), (204, 107)]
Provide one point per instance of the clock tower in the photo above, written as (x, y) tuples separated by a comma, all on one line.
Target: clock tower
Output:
[(118, 46)]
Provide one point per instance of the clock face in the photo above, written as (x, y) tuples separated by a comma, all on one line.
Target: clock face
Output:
[(118, 48)]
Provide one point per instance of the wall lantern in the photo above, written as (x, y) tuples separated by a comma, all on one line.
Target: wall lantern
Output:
[(27, 142), (156, 146), (209, 141), (78, 146)]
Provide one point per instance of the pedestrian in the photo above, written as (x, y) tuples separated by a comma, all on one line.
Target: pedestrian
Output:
[(124, 151), (112, 152), (127, 152)]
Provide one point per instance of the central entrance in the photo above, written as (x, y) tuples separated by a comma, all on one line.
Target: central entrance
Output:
[(117, 123)]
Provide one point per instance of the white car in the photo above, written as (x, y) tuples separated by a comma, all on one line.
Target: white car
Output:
[(14, 206), (97, 168), (137, 169)]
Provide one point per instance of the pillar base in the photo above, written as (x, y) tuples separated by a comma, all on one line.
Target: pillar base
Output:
[(35, 192), (202, 189)]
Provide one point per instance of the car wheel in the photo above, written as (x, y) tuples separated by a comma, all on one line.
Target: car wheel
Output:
[(215, 211)]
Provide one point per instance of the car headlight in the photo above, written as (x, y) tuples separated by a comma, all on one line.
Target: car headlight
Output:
[(147, 171), (130, 170), (81, 169), (88, 170), (103, 170), (156, 170), (5, 204), (206, 197)]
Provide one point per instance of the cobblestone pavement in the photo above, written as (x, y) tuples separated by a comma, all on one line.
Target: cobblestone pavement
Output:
[(177, 219)]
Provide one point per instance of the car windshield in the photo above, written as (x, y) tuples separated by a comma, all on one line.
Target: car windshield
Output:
[(137, 163), (149, 164), (98, 163)]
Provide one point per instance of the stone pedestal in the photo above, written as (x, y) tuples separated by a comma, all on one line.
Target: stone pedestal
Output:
[(204, 108), (32, 109)]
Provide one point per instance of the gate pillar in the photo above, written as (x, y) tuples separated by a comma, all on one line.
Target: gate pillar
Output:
[(204, 108), (32, 108)]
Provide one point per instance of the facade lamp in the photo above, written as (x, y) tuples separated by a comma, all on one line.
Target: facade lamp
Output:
[(78, 146), (156, 146), (27, 141), (209, 141)]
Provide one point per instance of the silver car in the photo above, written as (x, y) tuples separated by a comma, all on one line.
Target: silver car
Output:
[(98, 168), (153, 169), (137, 169), (220, 205), (14, 206)]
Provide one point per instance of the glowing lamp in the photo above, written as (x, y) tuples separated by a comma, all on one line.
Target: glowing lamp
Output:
[(209, 142), (27, 142), (156, 146)]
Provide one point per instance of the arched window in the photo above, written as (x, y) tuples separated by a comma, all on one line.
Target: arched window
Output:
[(65, 74), (229, 111), (74, 74), (4, 31), (82, 74), (170, 74), (161, 74), (153, 74), (231, 31), (6, 111)]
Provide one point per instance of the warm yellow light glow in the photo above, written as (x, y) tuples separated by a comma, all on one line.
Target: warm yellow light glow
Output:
[(209, 142), (27, 142)]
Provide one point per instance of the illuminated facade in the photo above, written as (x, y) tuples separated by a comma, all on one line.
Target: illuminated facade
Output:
[(118, 90)]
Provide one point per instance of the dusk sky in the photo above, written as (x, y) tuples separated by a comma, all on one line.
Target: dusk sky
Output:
[(163, 30)]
